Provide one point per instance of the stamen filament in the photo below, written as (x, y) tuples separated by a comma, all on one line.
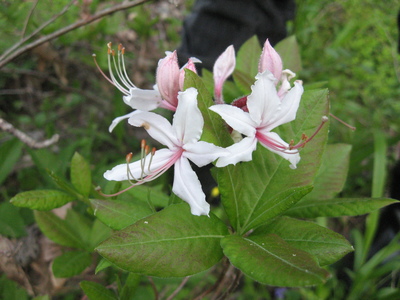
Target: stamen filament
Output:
[(343, 122)]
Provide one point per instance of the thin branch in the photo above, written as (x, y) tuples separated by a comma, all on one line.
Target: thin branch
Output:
[(153, 285), (40, 28), (5, 126), (28, 18), (178, 289), (80, 23)]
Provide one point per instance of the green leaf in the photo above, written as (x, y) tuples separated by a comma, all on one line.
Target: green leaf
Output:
[(11, 222), (81, 177), (332, 174), (213, 124), (42, 199), (64, 185), (58, 230), (99, 233), (118, 214), (338, 207), (10, 290), (10, 152), (95, 291), (248, 57), (289, 52), (71, 263), (270, 260), (243, 81), (326, 245), (251, 192), (103, 264), (130, 286), (169, 243)]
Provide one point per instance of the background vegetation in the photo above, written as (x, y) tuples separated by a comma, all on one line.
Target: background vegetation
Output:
[(348, 46)]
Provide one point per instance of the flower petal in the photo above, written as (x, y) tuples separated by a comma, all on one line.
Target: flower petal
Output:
[(292, 156), (137, 170), (236, 118), (263, 102), (289, 106), (119, 119), (145, 100), (241, 151), (188, 121), (270, 60), (157, 127), (202, 153), (187, 187), (223, 68)]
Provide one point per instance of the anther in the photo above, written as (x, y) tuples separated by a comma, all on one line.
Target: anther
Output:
[(120, 47), (109, 45), (129, 157)]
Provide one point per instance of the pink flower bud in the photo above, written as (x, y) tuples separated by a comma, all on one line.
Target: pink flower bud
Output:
[(189, 65), (271, 61), (223, 68), (167, 77)]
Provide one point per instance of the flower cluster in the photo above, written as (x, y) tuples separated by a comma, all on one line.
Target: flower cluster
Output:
[(272, 102)]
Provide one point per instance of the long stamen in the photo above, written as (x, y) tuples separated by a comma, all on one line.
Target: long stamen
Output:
[(305, 139), (343, 122), (153, 175), (110, 67), (100, 70), (128, 170)]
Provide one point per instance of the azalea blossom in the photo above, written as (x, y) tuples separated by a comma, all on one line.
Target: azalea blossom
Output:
[(169, 81), (182, 141), (266, 111)]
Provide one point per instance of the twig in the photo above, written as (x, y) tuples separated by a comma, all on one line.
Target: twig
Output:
[(153, 285), (178, 288), (40, 28), (28, 18), (80, 23), (5, 126)]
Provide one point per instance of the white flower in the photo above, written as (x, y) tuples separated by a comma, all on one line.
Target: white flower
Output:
[(182, 140), (266, 111)]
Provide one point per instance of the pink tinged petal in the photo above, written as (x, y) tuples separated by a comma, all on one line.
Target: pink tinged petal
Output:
[(145, 100), (289, 106), (285, 84), (273, 142), (263, 103), (202, 153), (188, 121), (190, 65), (223, 68), (160, 159), (236, 118), (271, 61), (119, 119), (241, 151), (167, 77), (187, 187), (157, 127)]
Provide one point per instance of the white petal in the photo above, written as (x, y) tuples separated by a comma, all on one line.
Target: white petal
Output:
[(241, 151), (292, 156), (290, 104), (157, 126), (187, 187), (146, 100), (263, 102), (203, 153), (120, 172), (119, 119), (236, 118), (188, 121)]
